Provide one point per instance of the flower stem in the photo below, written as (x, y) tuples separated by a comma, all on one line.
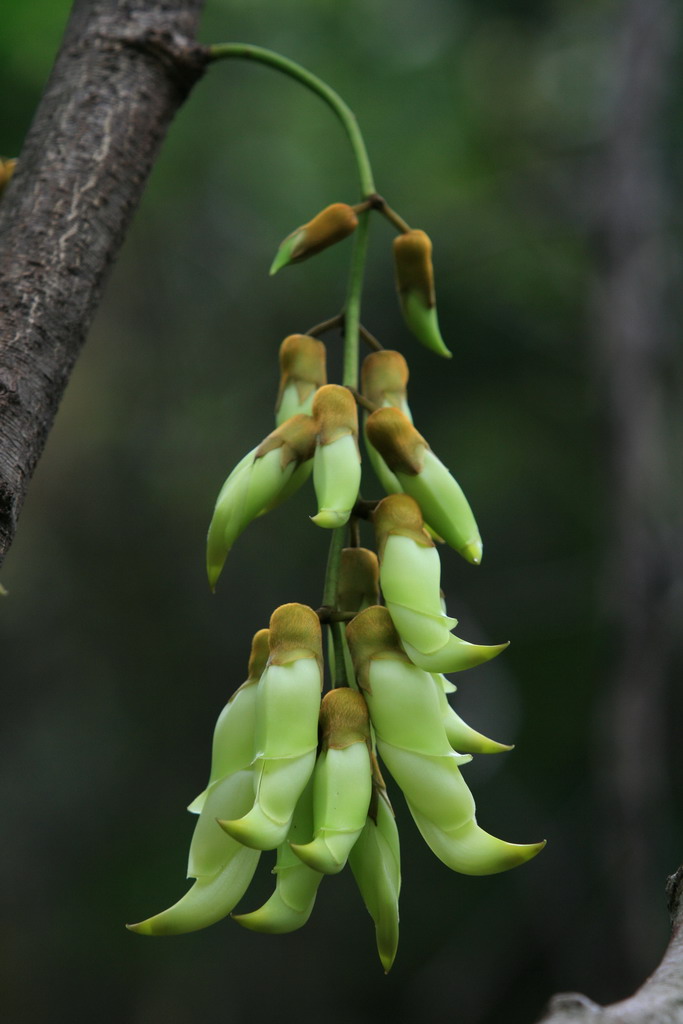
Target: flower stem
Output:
[(352, 308), (245, 51), (351, 313)]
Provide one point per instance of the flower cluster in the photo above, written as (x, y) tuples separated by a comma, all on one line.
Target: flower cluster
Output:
[(295, 771)]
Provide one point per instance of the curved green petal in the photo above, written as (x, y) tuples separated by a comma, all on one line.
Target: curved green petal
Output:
[(470, 850), (296, 886), (375, 861), (455, 656)]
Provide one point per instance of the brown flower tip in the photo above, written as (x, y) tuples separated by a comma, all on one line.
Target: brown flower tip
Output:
[(331, 225), (260, 652), (295, 633), (344, 719), (296, 437), (335, 413), (384, 377), (400, 514), (413, 263), (303, 359), (370, 635), (358, 579), (398, 442)]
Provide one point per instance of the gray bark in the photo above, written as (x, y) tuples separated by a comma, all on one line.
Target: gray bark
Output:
[(124, 68), (658, 1001)]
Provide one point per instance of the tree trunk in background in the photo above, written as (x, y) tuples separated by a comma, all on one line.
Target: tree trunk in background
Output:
[(632, 347), (641, 571), (124, 68)]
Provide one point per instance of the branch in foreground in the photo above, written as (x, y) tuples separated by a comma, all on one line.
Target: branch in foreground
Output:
[(122, 72), (658, 1001)]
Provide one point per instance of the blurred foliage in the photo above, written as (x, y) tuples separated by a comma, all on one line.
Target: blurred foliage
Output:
[(484, 121)]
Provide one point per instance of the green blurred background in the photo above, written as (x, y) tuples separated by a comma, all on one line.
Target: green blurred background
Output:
[(489, 125)]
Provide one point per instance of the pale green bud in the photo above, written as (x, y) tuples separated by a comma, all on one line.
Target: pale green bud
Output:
[(296, 886), (286, 734), (336, 463), (470, 850), (233, 737), (410, 569), (384, 380), (424, 477), (303, 369), (212, 896), (375, 861), (342, 782), (331, 225), (256, 484), (415, 282), (410, 576)]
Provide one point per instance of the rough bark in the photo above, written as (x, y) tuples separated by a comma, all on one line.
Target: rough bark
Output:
[(124, 68)]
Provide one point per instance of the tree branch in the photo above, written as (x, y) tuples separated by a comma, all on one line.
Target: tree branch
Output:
[(658, 1001), (124, 68)]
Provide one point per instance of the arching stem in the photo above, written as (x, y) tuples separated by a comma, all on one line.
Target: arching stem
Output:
[(245, 51)]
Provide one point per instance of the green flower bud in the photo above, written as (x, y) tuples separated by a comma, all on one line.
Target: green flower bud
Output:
[(331, 225), (420, 474), (212, 896), (404, 703), (406, 713), (303, 369), (342, 782), (415, 282), (410, 573), (384, 379), (286, 737), (472, 851), (233, 737), (296, 886), (375, 861), (336, 463), (265, 476)]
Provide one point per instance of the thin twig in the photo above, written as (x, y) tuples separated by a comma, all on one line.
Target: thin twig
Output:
[(361, 400), (327, 325), (370, 339)]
